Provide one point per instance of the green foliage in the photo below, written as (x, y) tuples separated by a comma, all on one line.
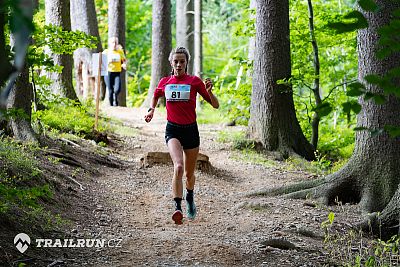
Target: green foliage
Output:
[(208, 114), (65, 115), (138, 50), (138, 45), (351, 249), (237, 139), (19, 176), (338, 67), (352, 21), (225, 59)]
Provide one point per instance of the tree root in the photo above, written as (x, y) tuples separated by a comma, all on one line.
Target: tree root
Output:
[(287, 189)]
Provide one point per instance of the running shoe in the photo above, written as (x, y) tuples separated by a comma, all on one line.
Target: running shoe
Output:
[(177, 217), (190, 208)]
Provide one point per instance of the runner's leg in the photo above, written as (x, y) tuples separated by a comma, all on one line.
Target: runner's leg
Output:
[(190, 166), (176, 153)]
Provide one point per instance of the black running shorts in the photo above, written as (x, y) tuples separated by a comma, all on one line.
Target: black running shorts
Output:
[(188, 135)]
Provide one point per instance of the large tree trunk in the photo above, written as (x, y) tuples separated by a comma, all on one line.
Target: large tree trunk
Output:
[(83, 18), (20, 98), (198, 39), (57, 13), (117, 28), (273, 120), (161, 45), (372, 175), (185, 27)]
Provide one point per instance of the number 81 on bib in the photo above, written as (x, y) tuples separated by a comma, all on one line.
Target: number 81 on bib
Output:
[(177, 92)]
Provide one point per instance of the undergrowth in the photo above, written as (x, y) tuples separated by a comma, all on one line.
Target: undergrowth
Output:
[(67, 116), (353, 249), (324, 164), (20, 177)]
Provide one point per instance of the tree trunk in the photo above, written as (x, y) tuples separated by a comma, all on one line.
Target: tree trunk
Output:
[(83, 18), (372, 175), (198, 39), (20, 98), (316, 86), (57, 13), (161, 45), (273, 120), (185, 27), (117, 28)]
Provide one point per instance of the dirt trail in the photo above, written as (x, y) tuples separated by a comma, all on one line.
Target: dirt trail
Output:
[(134, 204)]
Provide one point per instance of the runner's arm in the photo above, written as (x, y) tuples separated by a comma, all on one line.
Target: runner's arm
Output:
[(214, 99)]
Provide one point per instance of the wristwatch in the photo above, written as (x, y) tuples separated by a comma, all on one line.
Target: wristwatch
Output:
[(150, 109)]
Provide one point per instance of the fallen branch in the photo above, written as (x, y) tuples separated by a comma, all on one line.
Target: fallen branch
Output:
[(69, 142), (75, 181)]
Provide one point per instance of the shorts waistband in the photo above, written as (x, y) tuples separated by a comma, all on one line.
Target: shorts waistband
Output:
[(182, 125)]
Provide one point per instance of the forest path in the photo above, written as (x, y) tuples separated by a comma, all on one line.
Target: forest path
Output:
[(134, 204)]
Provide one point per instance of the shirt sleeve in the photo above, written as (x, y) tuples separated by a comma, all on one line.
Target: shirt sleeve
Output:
[(121, 52), (201, 89), (159, 91)]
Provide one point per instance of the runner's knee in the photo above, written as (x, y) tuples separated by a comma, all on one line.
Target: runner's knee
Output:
[(178, 169)]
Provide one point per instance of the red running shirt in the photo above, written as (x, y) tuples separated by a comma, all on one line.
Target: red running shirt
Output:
[(181, 110)]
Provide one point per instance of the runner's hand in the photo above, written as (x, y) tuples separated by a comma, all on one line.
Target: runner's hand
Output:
[(209, 84), (149, 116)]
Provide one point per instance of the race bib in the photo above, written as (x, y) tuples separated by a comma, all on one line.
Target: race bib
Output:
[(177, 92)]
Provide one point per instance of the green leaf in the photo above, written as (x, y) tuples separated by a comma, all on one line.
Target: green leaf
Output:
[(394, 131), (356, 107), (356, 89), (323, 109), (360, 128), (356, 20), (379, 99), (373, 79), (368, 96), (331, 217), (351, 105), (368, 5), (376, 132)]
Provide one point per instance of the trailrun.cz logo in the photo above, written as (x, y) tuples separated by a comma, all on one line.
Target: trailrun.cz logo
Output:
[(22, 241)]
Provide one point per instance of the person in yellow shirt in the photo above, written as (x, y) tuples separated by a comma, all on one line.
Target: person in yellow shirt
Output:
[(116, 63)]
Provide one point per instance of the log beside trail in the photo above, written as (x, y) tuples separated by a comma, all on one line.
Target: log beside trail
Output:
[(152, 158)]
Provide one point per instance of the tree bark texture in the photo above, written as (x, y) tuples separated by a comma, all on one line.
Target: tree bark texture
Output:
[(273, 119), (185, 27), (83, 18), (372, 175), (161, 45), (58, 14), (117, 28), (198, 39), (20, 98)]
